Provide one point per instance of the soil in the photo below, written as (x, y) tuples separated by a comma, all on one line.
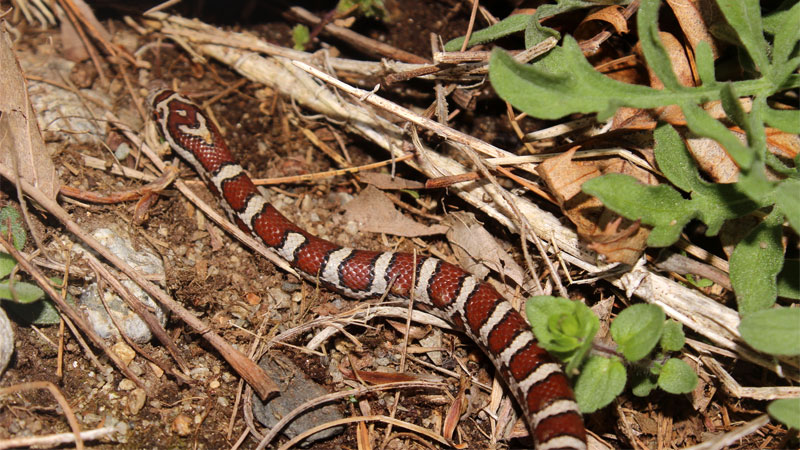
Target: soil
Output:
[(238, 293)]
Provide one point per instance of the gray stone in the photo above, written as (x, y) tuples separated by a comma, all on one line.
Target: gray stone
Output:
[(6, 341), (295, 388)]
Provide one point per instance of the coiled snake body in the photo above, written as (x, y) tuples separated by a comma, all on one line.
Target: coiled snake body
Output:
[(538, 384)]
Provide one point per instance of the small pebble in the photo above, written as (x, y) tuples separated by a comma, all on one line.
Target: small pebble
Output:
[(136, 400), (124, 351), (182, 425), (126, 385)]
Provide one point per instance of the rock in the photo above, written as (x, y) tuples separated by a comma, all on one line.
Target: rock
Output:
[(6, 341), (132, 325), (296, 388)]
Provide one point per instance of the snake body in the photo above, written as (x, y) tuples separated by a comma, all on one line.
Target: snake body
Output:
[(537, 382)]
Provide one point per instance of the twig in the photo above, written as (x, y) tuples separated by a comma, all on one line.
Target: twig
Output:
[(363, 43), (243, 366), (63, 306), (54, 440)]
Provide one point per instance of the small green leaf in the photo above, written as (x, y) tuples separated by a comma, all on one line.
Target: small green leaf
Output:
[(510, 25), (600, 382), (637, 330), (755, 264), (745, 17), (672, 338), (789, 279), (786, 411), (564, 327), (774, 331), (705, 64), (42, 312), (652, 48), (788, 200), (677, 377), (300, 36), (643, 385), (20, 291), (699, 282), (9, 215), (787, 35), (7, 263), (787, 120), (661, 207)]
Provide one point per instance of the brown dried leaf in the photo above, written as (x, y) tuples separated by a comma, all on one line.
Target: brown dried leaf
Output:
[(477, 251), (617, 239), (372, 377), (693, 24), (415, 332), (19, 130), (610, 14), (377, 214)]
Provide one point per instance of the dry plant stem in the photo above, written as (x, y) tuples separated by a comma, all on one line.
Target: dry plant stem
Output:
[(732, 437), (243, 366), (145, 314), (344, 394), (55, 440), (757, 393), (472, 15), (693, 309), (327, 174), (360, 42), (68, 412), (63, 306)]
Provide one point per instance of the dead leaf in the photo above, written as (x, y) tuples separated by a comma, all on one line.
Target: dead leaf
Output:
[(617, 239), (20, 136), (477, 251), (416, 332), (693, 24), (611, 15), (377, 214)]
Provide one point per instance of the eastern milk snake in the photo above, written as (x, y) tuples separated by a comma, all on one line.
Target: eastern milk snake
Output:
[(539, 386)]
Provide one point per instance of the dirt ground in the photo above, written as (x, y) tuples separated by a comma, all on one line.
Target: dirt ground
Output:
[(242, 296)]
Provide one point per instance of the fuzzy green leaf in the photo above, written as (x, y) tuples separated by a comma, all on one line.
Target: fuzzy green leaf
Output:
[(673, 338), (642, 383), (787, 120), (755, 264), (787, 35), (775, 331), (510, 25), (787, 198), (20, 291), (786, 411), (7, 263), (660, 206), (637, 330), (745, 17), (9, 215), (562, 326), (600, 382), (677, 377)]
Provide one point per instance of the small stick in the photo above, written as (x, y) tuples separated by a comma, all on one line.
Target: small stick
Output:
[(328, 173), (68, 412)]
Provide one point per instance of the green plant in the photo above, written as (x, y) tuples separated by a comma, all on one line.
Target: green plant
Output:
[(301, 36), (368, 8), (563, 83), (24, 300), (644, 339)]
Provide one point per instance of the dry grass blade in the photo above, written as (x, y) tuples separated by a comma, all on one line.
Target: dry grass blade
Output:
[(55, 440)]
